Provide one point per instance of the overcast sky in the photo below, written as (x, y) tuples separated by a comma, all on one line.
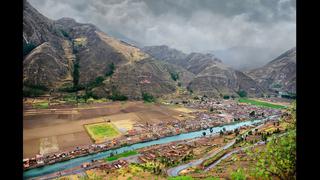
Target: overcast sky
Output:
[(268, 27)]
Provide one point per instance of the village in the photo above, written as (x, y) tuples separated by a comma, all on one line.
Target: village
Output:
[(210, 113)]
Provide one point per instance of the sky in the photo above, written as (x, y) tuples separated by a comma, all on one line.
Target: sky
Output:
[(240, 32)]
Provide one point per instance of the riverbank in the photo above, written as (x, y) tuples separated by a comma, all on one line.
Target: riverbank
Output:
[(78, 161)]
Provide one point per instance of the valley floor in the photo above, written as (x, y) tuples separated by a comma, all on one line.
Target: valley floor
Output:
[(55, 132)]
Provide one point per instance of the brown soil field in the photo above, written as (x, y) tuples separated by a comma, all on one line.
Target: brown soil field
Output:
[(66, 124)]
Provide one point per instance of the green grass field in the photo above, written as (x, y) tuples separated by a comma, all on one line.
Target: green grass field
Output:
[(102, 131), (124, 154), (260, 103), (43, 105)]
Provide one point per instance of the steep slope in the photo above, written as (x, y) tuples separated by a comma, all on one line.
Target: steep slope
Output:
[(67, 52), (218, 80), (211, 76), (45, 64), (279, 74)]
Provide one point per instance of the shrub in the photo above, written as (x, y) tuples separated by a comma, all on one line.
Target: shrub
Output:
[(148, 97), (174, 76), (116, 96), (76, 73), (226, 97), (65, 34), (238, 175), (30, 90), (110, 69), (27, 48), (242, 93)]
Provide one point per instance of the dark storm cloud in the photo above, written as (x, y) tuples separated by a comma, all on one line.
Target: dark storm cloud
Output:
[(189, 25)]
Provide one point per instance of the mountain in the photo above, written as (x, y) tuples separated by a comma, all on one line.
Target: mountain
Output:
[(64, 53), (212, 77), (279, 74), (243, 57)]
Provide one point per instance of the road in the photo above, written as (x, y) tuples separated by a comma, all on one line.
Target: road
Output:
[(235, 151), (175, 170)]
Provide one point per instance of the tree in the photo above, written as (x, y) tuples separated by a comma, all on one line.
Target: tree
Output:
[(27, 48), (242, 93), (76, 74), (226, 97), (211, 109), (148, 97), (204, 133), (221, 133), (110, 69), (174, 76), (279, 158)]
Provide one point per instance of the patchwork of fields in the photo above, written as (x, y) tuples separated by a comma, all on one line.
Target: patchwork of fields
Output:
[(63, 129)]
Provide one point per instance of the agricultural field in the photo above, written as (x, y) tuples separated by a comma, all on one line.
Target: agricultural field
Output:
[(261, 103), (100, 132), (62, 127)]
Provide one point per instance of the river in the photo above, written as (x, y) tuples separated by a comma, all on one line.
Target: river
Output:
[(78, 161)]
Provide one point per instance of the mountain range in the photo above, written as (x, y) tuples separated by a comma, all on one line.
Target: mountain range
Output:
[(63, 54)]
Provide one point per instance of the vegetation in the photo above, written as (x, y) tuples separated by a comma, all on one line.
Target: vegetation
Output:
[(43, 105), (213, 159), (116, 96), (100, 131), (174, 76), (242, 93), (72, 88), (181, 178), (76, 73), (65, 34), (97, 82), (121, 155), (32, 90), (148, 97), (278, 159), (238, 175), (226, 97), (110, 69), (260, 103), (27, 48)]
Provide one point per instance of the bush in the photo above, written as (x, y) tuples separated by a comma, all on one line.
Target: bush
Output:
[(65, 34), (226, 97), (242, 93), (27, 48), (71, 89), (148, 97), (30, 90), (174, 76), (238, 175), (76, 73), (110, 69), (118, 97), (97, 82)]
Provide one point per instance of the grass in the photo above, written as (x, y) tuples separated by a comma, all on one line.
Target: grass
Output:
[(43, 105), (121, 155), (101, 131), (260, 103), (181, 178)]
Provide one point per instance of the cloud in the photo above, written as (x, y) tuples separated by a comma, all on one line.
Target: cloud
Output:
[(188, 25)]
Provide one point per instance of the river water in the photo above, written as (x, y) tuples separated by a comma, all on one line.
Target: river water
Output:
[(78, 161)]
